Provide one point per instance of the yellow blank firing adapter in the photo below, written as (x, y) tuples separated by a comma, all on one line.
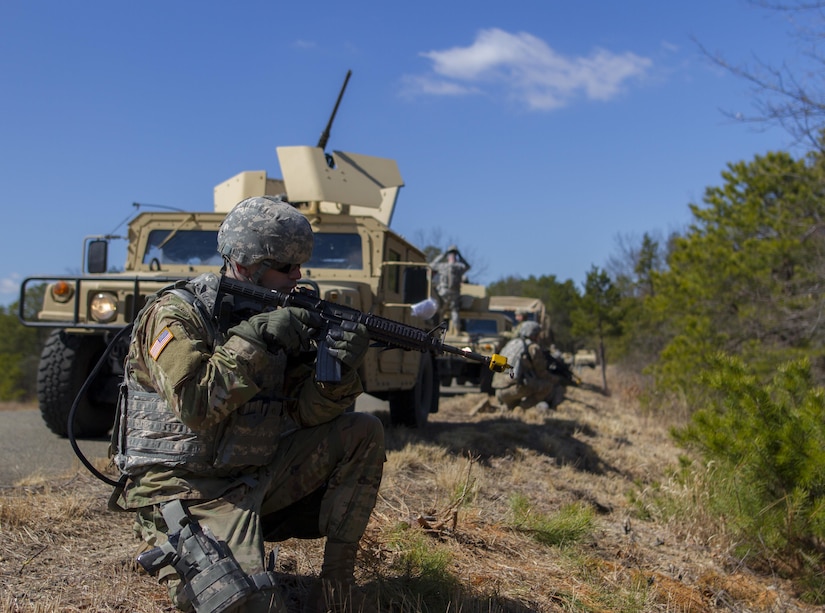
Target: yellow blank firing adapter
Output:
[(498, 363)]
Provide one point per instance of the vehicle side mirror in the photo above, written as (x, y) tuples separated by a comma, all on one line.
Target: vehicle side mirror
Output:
[(414, 285), (97, 256)]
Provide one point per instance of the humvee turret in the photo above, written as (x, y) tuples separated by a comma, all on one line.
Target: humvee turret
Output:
[(357, 261)]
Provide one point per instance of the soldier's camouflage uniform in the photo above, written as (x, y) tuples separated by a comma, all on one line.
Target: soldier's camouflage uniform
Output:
[(535, 382), (448, 278), (257, 449)]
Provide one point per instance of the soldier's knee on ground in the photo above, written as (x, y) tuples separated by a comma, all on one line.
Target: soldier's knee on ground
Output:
[(508, 398)]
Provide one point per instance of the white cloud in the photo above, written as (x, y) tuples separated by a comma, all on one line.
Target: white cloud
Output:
[(10, 285), (526, 69), (10, 288), (423, 84), (670, 47)]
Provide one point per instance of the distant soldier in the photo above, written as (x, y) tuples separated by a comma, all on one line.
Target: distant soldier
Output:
[(450, 268), (533, 382), (520, 317)]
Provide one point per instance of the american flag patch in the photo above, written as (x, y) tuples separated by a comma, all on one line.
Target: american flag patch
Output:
[(160, 342)]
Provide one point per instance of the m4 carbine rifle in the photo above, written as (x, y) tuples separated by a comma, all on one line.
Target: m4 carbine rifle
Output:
[(383, 332)]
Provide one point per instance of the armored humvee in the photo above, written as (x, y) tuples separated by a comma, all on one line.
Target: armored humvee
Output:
[(481, 331), (522, 308), (357, 261)]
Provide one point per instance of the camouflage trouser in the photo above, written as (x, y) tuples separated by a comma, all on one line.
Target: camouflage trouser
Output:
[(530, 393), (450, 305), (328, 474)]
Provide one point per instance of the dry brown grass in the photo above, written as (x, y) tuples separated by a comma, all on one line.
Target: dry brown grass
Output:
[(447, 492)]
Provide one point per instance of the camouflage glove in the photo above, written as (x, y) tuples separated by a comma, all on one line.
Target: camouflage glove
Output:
[(289, 329), (348, 343)]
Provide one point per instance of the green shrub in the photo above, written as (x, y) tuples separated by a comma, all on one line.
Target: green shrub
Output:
[(769, 443)]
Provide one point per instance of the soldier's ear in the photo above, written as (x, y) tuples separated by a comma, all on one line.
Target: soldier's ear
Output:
[(243, 271)]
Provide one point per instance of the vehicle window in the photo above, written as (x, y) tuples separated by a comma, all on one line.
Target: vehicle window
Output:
[(511, 315), (191, 247), (334, 250), (480, 326)]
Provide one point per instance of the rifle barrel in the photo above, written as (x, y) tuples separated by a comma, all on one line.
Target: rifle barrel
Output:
[(387, 331)]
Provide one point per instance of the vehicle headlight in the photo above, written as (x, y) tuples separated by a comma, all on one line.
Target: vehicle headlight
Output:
[(62, 291), (103, 307)]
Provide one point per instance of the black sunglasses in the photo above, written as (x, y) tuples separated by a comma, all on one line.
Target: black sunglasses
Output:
[(283, 268)]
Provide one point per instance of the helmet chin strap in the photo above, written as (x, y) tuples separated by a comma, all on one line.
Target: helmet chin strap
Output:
[(254, 278), (262, 268)]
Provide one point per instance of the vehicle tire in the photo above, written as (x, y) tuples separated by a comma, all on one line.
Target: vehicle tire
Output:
[(412, 407), (65, 362)]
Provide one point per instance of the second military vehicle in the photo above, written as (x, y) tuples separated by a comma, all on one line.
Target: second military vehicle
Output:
[(521, 308), (482, 331)]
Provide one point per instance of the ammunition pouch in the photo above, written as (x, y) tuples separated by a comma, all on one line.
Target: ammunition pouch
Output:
[(213, 581)]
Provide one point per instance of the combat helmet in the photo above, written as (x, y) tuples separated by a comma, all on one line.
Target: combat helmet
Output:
[(265, 228), (529, 329)]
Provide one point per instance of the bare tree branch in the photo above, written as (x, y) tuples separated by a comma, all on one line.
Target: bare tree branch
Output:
[(787, 95)]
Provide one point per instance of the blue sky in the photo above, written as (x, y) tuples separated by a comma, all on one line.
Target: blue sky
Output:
[(533, 134)]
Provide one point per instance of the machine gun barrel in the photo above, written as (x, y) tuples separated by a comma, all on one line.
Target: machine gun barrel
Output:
[(322, 142), (385, 332)]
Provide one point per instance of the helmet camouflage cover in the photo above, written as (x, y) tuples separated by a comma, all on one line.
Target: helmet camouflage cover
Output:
[(265, 228), (529, 329)]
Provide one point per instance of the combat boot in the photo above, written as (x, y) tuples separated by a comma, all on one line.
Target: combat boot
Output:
[(335, 589)]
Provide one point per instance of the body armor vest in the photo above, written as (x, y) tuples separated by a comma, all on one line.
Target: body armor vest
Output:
[(148, 433)]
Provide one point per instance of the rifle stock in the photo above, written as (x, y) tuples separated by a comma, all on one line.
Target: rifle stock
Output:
[(382, 331)]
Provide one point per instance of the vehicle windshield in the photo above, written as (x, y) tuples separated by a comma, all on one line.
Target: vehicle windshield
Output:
[(190, 247), (336, 250), (511, 315), (480, 326)]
